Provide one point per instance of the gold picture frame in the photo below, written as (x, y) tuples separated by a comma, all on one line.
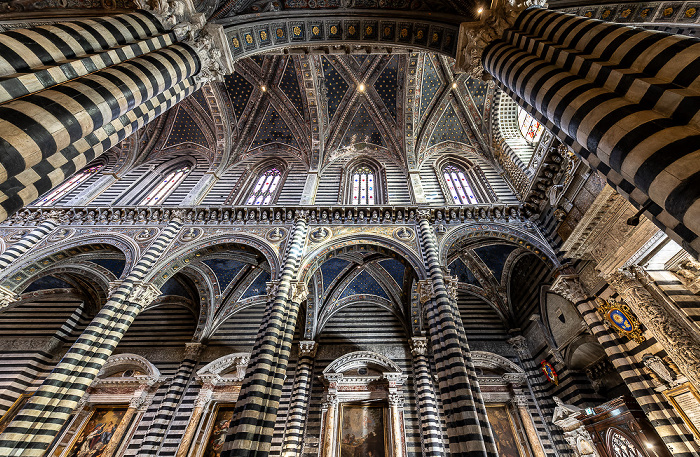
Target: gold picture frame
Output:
[(620, 317), (350, 443), (498, 432), (680, 398), (13, 410), (212, 426), (69, 450)]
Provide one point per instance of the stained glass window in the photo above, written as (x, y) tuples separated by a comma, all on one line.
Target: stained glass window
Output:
[(529, 127), (167, 185), (460, 190), (363, 186), (265, 187), (68, 186)]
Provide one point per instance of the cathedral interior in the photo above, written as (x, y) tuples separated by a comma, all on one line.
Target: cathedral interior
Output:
[(349, 228)]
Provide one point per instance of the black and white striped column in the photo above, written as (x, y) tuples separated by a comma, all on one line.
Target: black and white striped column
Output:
[(256, 410), (469, 431), (624, 98), (663, 417), (299, 405), (72, 90), (428, 413), (153, 440), (33, 429)]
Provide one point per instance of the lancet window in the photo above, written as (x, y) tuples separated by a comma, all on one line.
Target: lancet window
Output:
[(530, 128), (461, 192), (363, 186), (62, 190), (166, 186), (265, 187)]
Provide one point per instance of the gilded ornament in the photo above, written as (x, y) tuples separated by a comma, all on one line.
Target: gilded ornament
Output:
[(625, 13), (263, 35), (351, 30), (620, 317), (369, 30), (296, 30), (668, 11), (436, 37), (419, 35), (280, 33), (404, 33), (690, 12), (249, 39), (334, 30)]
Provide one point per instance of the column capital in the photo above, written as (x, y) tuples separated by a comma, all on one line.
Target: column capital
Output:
[(301, 215), (143, 293), (178, 215), (425, 290), (451, 284), (53, 215), (396, 399), (519, 344), (419, 345), (7, 297), (476, 35), (569, 287), (271, 288), (193, 350), (299, 292), (308, 348), (423, 215), (331, 399)]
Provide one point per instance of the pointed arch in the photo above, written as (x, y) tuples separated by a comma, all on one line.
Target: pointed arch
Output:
[(363, 182)]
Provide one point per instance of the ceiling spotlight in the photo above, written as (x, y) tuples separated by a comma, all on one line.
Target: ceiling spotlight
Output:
[(454, 85), (263, 88), (480, 10), (361, 87)]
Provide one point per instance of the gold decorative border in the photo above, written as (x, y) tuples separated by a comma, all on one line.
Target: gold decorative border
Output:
[(670, 396), (604, 308), (12, 411), (206, 428), (82, 426)]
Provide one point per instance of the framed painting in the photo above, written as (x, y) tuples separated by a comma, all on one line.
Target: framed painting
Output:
[(218, 428), (14, 409), (504, 431), (362, 430), (96, 432)]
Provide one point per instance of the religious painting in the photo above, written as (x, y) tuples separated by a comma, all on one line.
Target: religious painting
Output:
[(222, 420), (362, 431), (504, 432), (12, 412), (93, 438)]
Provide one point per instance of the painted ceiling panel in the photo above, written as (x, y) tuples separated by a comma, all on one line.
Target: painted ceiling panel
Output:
[(464, 7), (362, 129), (273, 130), (360, 58), (331, 269), (449, 128), (239, 90), (495, 256), (225, 270), (395, 268), (477, 89), (430, 86), (185, 130), (290, 86), (387, 85), (364, 284), (116, 266), (47, 282), (258, 60), (335, 86), (173, 287), (258, 287), (463, 272), (199, 96)]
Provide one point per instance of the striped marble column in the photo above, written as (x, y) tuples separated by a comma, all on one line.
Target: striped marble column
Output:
[(153, 440), (299, 405), (33, 429), (469, 431), (256, 409), (666, 422), (431, 436), (624, 98), (72, 90)]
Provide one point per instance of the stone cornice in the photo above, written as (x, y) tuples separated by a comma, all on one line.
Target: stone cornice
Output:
[(242, 215)]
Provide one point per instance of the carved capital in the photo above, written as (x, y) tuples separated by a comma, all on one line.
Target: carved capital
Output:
[(688, 272), (299, 292), (178, 215), (569, 287), (419, 345), (204, 396), (396, 399), (425, 290), (192, 350), (308, 348), (451, 286), (7, 296), (331, 399), (423, 214), (519, 344), (271, 289), (143, 294), (475, 36), (213, 52)]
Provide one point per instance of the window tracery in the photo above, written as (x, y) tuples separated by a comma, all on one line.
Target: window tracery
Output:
[(68, 186), (530, 128), (363, 183), (363, 186), (460, 190), (265, 187), (166, 186)]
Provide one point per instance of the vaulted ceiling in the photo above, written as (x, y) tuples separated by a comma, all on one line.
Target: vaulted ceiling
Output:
[(400, 107)]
